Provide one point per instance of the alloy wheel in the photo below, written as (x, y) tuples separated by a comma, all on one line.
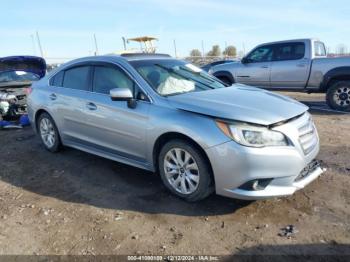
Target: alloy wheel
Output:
[(342, 96), (47, 132), (181, 170)]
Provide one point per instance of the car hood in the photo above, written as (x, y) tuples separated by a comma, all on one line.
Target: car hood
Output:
[(32, 64), (241, 103)]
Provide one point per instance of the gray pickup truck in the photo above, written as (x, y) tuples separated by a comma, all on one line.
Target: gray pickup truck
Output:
[(293, 65)]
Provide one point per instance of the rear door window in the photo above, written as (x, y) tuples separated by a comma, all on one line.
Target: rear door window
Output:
[(289, 51), (77, 78)]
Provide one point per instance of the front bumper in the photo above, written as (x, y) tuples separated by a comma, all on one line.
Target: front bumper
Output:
[(276, 190), (234, 165)]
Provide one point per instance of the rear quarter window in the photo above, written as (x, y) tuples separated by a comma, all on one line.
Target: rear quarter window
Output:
[(320, 49), (57, 80)]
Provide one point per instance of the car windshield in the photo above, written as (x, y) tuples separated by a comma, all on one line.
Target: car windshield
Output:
[(171, 77), (17, 76)]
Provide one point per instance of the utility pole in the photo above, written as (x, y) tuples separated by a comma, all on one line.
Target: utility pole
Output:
[(96, 48), (39, 44), (175, 48), (203, 48)]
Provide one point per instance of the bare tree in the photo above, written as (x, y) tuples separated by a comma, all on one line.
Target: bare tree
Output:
[(230, 51), (215, 51), (342, 49), (195, 53)]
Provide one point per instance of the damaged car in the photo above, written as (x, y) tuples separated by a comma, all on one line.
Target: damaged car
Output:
[(168, 116), (17, 73)]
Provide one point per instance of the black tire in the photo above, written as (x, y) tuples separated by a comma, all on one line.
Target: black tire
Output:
[(56, 145), (338, 96), (204, 186), (225, 79)]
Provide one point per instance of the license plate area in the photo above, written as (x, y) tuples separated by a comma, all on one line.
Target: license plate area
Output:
[(312, 166)]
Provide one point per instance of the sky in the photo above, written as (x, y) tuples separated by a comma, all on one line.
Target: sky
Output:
[(66, 27)]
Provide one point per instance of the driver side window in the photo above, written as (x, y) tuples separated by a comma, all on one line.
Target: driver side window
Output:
[(261, 54), (107, 78)]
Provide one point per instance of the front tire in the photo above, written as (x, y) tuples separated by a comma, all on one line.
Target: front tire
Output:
[(48, 132), (185, 171), (225, 80), (338, 96)]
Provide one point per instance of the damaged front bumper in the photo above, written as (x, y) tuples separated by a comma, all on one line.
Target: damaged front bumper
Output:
[(258, 173)]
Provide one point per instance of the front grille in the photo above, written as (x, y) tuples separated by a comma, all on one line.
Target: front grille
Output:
[(308, 136)]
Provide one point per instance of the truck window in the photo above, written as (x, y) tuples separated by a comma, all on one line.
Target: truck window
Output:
[(320, 49), (261, 54), (289, 51)]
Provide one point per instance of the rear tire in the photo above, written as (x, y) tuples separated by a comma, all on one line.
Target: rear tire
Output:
[(48, 133), (338, 96), (185, 171)]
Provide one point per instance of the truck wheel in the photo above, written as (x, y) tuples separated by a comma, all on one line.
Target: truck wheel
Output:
[(185, 171), (338, 96)]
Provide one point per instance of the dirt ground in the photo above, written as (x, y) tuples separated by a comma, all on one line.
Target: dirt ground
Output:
[(76, 203)]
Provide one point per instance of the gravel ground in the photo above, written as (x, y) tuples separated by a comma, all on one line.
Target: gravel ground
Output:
[(76, 203)]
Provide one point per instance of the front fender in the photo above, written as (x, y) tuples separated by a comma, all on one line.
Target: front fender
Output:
[(200, 128)]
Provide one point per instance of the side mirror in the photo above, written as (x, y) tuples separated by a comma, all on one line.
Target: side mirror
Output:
[(123, 94)]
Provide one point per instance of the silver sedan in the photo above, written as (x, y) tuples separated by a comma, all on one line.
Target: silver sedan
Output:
[(167, 116)]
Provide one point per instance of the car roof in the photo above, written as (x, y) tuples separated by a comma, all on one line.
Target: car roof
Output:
[(121, 58), (144, 56), (111, 58)]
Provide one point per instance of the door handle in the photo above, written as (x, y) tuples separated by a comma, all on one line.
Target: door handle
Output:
[(53, 96), (264, 66), (301, 65), (91, 106)]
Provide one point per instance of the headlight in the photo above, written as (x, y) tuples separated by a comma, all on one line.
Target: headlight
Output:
[(254, 136)]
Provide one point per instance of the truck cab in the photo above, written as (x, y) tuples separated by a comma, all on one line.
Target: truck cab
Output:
[(295, 65)]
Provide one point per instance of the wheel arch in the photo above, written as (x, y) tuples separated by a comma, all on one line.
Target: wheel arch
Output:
[(222, 73), (166, 137), (333, 75), (37, 115)]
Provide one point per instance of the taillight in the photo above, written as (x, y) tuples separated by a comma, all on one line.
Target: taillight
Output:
[(29, 89)]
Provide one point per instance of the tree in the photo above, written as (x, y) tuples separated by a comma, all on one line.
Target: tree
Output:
[(215, 51), (230, 51), (195, 53)]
